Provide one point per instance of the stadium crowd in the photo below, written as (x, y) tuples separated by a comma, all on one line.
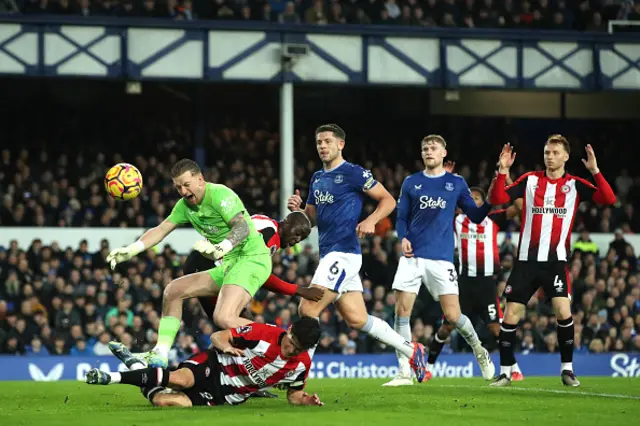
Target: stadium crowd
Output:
[(64, 300), (58, 301), (590, 15), (43, 184)]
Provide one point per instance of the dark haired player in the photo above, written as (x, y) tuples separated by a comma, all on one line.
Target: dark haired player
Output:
[(294, 228), (551, 199), (241, 362), (334, 204)]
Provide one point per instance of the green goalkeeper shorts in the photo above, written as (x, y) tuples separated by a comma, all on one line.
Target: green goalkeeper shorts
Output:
[(248, 272)]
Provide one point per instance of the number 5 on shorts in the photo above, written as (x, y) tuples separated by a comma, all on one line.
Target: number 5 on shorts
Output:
[(493, 313)]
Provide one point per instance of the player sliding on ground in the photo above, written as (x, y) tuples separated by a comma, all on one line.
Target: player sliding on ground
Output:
[(426, 211), (276, 235), (241, 362), (336, 194), (216, 212), (551, 199)]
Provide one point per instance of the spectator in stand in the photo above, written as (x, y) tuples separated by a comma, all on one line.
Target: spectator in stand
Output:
[(53, 298), (584, 244), (540, 14)]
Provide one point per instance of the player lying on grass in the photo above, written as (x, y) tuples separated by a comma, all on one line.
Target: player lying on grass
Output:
[(218, 214), (241, 362), (294, 228)]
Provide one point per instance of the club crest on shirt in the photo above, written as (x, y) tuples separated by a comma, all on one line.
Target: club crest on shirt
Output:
[(228, 203), (448, 186), (243, 329), (565, 189), (290, 374), (339, 179)]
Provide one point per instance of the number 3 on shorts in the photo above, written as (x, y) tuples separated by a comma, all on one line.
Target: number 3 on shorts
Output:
[(452, 275)]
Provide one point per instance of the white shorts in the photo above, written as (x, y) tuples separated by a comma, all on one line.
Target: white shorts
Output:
[(339, 272), (439, 276)]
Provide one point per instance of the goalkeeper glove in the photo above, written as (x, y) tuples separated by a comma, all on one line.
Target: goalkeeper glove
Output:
[(213, 251), (123, 254)]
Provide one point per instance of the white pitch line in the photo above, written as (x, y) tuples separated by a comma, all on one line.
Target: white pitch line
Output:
[(542, 390)]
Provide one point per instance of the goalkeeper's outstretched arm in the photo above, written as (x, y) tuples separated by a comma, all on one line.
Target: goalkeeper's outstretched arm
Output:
[(149, 239), (154, 235)]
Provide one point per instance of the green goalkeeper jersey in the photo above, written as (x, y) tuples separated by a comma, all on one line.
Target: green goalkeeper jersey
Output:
[(211, 219)]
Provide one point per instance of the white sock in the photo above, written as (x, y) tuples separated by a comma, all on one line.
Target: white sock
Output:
[(430, 367), (380, 330), (403, 328), (137, 366), (115, 377), (506, 369), (162, 350), (465, 328), (515, 368), (566, 366)]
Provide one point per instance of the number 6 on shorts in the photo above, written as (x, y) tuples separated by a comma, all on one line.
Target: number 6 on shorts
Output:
[(334, 269), (339, 272)]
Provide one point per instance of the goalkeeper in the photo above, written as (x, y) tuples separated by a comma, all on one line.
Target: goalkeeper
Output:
[(217, 213)]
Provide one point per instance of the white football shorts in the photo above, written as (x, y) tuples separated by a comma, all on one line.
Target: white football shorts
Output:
[(339, 272), (439, 276)]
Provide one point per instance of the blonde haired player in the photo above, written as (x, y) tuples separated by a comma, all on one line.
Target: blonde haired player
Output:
[(426, 209)]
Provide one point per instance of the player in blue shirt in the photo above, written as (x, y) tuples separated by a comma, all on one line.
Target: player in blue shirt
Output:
[(426, 211), (334, 204)]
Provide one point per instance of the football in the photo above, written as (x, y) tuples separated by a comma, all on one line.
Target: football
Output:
[(123, 181)]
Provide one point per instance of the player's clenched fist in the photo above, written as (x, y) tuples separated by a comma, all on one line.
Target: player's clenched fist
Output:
[(407, 250), (295, 201), (123, 254), (365, 228), (213, 251)]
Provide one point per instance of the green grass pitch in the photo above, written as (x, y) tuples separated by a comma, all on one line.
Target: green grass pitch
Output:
[(445, 402)]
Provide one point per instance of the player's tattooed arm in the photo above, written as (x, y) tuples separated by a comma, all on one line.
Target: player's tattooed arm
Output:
[(239, 229)]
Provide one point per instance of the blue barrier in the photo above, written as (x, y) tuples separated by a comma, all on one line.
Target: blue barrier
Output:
[(155, 49), (53, 368)]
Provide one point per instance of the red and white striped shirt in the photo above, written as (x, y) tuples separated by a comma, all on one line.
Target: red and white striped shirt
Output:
[(478, 252), (262, 365), (549, 210), (269, 230)]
